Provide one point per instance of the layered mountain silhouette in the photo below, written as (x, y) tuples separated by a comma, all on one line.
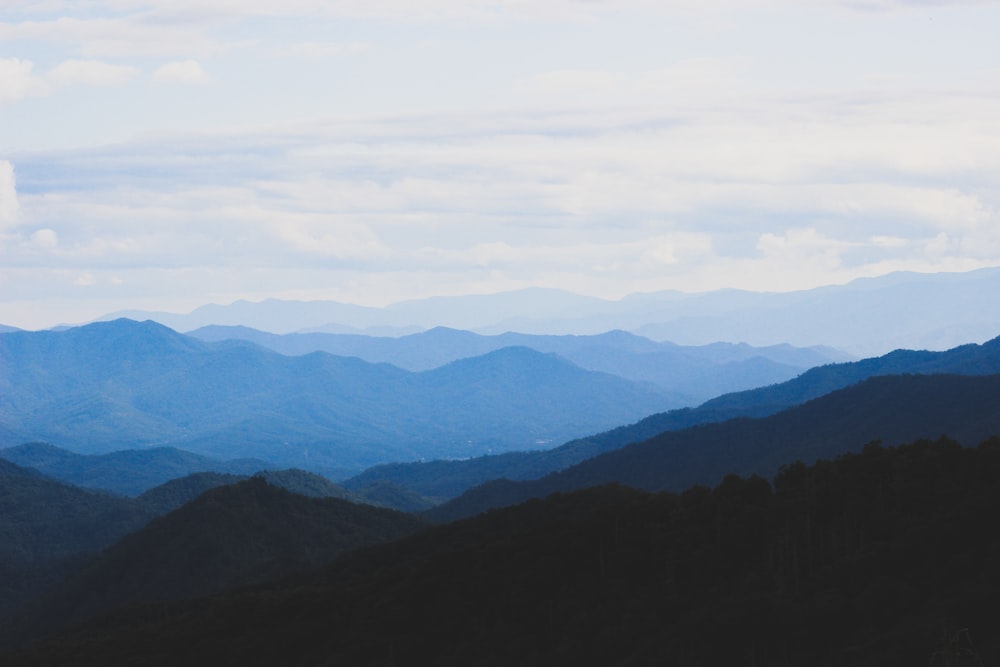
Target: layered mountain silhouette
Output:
[(882, 557), (445, 479), (693, 373), (127, 472), (125, 384), (866, 317), (887, 409)]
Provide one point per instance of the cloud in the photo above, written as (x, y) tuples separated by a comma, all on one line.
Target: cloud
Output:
[(186, 72), (91, 73), (8, 195), (18, 81), (324, 49), (45, 238)]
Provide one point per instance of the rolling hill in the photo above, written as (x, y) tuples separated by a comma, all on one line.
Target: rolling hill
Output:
[(124, 384), (125, 472), (691, 373), (229, 536), (883, 557), (889, 409), (450, 478)]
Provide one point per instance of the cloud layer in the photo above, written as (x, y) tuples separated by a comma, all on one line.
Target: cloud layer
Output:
[(416, 157)]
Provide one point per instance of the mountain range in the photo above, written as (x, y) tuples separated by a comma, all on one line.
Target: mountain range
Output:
[(125, 384), (695, 373), (886, 409), (450, 478), (893, 309), (882, 557)]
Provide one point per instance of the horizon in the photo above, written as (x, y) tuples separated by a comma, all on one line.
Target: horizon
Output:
[(220, 151), (127, 312)]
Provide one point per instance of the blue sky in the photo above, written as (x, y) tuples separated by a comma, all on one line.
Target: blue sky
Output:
[(164, 155)]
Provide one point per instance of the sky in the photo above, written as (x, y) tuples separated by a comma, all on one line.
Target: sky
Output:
[(167, 154)]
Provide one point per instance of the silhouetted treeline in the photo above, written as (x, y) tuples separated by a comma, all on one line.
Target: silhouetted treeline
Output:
[(878, 558)]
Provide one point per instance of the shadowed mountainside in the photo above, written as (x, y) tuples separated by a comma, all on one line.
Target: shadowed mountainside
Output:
[(450, 478), (127, 472), (876, 558), (891, 409), (229, 536)]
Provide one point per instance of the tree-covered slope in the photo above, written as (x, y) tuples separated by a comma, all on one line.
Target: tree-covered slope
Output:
[(230, 536), (882, 557)]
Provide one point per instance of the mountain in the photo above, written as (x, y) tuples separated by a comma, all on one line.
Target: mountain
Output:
[(889, 409), (692, 373), (127, 472), (230, 536), (883, 557), (446, 479), (47, 529), (899, 310), (123, 384)]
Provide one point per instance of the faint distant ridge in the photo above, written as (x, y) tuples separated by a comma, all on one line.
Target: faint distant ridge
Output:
[(865, 317)]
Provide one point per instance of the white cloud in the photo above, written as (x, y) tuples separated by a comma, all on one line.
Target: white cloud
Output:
[(8, 195), (91, 73), (324, 49), (187, 72), (45, 239), (85, 280), (18, 81)]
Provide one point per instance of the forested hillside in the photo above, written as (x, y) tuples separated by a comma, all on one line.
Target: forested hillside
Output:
[(876, 558)]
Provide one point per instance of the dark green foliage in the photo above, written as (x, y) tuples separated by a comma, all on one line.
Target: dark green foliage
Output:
[(892, 409), (876, 558), (447, 479)]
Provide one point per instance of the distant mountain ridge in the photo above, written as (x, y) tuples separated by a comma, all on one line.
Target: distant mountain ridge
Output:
[(124, 384), (899, 310), (692, 373), (891, 409), (449, 478)]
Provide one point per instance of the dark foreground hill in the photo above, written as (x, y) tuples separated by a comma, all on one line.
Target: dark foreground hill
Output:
[(447, 479), (47, 528), (123, 384), (891, 409), (230, 536), (886, 557)]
